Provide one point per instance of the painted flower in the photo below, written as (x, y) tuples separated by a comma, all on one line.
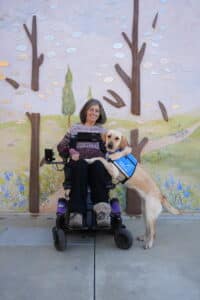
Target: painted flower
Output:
[(186, 194), (167, 185), (171, 180), (7, 194), (21, 188), (22, 203), (8, 175), (179, 186)]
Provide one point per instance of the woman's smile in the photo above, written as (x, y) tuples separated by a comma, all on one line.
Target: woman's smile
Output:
[(93, 114)]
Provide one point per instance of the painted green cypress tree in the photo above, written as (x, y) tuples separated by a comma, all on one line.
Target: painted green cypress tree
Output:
[(68, 100), (89, 96)]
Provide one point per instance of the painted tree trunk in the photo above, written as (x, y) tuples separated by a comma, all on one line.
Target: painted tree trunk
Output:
[(36, 61), (133, 81), (35, 66), (34, 185), (133, 198), (135, 90)]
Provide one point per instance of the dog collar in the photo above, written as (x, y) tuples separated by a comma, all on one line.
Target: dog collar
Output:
[(108, 153)]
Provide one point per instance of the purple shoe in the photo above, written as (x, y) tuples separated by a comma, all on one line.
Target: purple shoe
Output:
[(61, 206), (115, 207)]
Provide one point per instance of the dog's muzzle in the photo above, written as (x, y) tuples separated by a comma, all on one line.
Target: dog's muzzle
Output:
[(110, 145)]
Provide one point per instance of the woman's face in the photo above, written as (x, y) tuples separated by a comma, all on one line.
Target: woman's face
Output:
[(92, 114)]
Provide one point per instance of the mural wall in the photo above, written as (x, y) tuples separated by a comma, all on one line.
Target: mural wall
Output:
[(146, 75)]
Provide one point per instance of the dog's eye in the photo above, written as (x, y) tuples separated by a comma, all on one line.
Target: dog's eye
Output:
[(109, 136), (117, 138)]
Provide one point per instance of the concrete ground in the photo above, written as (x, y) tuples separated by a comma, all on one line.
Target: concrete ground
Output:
[(92, 268)]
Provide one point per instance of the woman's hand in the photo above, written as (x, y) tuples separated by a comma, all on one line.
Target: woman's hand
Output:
[(74, 154)]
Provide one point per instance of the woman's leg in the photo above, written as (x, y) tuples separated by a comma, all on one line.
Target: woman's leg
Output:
[(79, 182), (98, 179)]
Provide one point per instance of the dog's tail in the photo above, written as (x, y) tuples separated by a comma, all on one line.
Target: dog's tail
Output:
[(169, 207)]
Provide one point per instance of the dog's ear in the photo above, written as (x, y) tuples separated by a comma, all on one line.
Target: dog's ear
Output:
[(103, 137), (123, 143)]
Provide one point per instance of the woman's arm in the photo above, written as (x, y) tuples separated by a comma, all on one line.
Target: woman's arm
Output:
[(64, 148), (63, 145)]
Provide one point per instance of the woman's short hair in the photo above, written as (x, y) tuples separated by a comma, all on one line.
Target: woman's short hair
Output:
[(83, 113)]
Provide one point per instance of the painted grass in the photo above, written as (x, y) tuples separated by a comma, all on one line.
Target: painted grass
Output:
[(157, 129), (180, 161)]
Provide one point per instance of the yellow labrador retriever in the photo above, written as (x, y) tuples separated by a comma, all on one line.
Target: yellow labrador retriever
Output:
[(152, 198)]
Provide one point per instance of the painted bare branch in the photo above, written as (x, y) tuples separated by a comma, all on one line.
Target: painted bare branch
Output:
[(141, 52), (12, 82), (141, 145), (163, 111), (119, 101), (41, 59), (123, 75), (154, 23), (27, 32), (36, 61), (127, 40), (137, 146)]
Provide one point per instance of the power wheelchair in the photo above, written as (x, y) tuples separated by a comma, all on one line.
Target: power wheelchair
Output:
[(122, 237)]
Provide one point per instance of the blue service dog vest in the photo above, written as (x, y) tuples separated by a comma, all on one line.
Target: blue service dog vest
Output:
[(126, 164)]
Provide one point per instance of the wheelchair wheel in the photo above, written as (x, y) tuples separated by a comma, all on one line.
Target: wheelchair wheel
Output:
[(123, 238), (59, 239)]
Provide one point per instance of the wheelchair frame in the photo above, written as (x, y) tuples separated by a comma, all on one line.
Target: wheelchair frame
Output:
[(122, 237)]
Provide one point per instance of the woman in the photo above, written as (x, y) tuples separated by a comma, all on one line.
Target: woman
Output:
[(92, 116)]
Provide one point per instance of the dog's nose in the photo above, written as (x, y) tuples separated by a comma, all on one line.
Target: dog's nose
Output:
[(110, 145)]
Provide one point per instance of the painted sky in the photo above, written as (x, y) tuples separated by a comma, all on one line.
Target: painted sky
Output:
[(86, 35)]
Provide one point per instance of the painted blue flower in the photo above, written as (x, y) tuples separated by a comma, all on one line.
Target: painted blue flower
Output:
[(22, 203), (186, 194), (8, 175), (158, 178), (18, 181), (4, 188), (171, 180), (179, 186), (21, 188), (6, 194), (167, 185)]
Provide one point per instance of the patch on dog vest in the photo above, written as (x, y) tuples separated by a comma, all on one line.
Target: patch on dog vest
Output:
[(126, 164)]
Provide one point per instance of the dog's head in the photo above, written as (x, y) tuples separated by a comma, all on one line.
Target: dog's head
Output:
[(114, 140)]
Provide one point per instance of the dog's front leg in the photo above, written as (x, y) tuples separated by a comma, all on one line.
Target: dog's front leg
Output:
[(127, 150), (112, 170)]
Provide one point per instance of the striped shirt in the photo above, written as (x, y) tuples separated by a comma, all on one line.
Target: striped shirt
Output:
[(85, 149)]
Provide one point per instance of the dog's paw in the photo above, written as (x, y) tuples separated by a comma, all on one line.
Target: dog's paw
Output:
[(148, 244), (89, 160), (115, 156)]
